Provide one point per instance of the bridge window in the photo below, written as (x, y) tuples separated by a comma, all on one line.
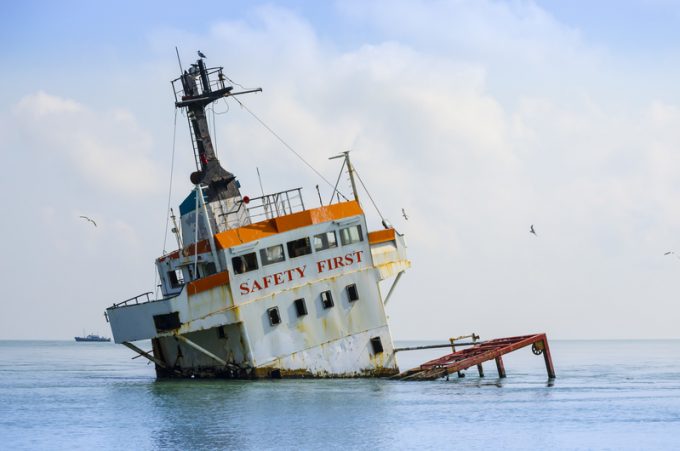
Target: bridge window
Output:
[(176, 278), (327, 299), (273, 254), (244, 263), (300, 307), (352, 292), (351, 235), (299, 247), (325, 241), (209, 269), (274, 317)]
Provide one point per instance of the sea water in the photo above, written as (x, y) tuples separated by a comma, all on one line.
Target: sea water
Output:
[(616, 395)]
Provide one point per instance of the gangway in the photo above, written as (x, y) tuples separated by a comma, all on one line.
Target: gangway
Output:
[(476, 354)]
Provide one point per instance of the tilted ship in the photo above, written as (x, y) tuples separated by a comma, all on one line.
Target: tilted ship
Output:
[(263, 287)]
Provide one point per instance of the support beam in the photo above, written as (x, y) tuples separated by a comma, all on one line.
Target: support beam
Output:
[(394, 284), (548, 360), (184, 339), (145, 354), (500, 366)]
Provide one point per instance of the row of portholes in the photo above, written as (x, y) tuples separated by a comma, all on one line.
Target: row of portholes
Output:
[(301, 306)]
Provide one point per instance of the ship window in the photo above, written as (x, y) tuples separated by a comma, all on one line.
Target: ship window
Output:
[(351, 235), (299, 247), (325, 241), (176, 278), (209, 269), (166, 322), (191, 272), (376, 344), (220, 332), (273, 254), (352, 292), (327, 299), (244, 263), (300, 307), (274, 317)]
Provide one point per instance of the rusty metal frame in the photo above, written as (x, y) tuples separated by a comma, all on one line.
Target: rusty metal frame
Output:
[(478, 353)]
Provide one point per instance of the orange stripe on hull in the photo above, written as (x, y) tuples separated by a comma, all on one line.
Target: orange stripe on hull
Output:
[(282, 224), (269, 227), (381, 236), (206, 283)]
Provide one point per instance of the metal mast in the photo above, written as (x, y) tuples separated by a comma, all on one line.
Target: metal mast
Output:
[(200, 86)]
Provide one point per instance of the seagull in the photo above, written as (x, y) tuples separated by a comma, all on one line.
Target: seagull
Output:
[(90, 220), (201, 54), (669, 252), (403, 213), (532, 230)]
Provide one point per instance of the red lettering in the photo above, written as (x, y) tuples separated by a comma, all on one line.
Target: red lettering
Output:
[(319, 266), (301, 271), (358, 254), (244, 288), (278, 278), (256, 287), (265, 279), (338, 262), (349, 259), (290, 275)]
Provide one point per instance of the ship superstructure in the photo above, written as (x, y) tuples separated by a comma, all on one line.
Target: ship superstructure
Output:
[(263, 287)]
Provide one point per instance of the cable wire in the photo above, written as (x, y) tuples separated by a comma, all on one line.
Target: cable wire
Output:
[(286, 144), (369, 194), (167, 211)]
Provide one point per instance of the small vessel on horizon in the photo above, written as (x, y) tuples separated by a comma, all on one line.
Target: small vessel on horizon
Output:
[(93, 337)]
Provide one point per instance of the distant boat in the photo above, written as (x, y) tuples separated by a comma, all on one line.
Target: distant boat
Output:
[(92, 337)]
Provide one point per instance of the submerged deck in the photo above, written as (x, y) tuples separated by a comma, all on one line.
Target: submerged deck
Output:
[(479, 353)]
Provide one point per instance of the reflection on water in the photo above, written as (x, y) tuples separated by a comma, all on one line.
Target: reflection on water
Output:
[(63, 395)]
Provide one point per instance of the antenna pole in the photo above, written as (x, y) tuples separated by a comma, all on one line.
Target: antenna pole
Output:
[(260, 180), (179, 60), (350, 168), (319, 193), (175, 229)]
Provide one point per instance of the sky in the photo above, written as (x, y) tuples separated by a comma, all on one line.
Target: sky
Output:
[(479, 118)]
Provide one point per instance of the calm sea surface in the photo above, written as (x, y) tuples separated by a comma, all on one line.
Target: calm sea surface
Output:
[(608, 395)]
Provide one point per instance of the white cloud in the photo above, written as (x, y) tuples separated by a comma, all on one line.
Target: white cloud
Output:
[(108, 150)]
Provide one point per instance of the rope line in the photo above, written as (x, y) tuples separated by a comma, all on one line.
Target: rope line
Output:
[(369, 194), (167, 211), (286, 145)]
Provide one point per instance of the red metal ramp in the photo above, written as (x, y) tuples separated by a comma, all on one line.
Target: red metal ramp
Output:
[(478, 353)]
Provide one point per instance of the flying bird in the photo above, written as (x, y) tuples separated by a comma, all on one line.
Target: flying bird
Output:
[(90, 220), (403, 213), (201, 54), (669, 252), (532, 230)]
